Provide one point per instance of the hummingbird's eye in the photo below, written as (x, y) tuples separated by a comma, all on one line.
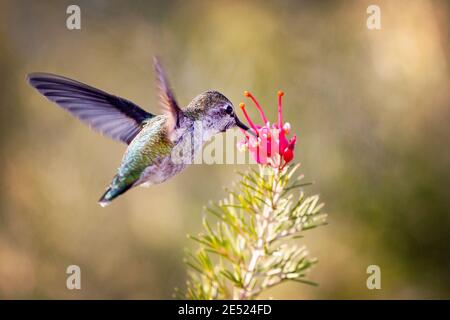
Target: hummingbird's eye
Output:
[(229, 110)]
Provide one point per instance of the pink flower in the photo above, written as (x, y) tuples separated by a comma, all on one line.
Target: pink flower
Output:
[(268, 144)]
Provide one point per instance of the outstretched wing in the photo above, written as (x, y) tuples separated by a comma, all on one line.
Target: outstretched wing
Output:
[(167, 99), (110, 115)]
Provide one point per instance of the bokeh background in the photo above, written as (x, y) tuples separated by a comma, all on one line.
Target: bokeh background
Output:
[(371, 109)]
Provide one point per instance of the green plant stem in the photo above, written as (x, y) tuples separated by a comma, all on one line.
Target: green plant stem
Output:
[(258, 250), (252, 246)]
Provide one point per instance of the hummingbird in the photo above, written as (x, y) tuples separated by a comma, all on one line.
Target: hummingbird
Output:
[(151, 138)]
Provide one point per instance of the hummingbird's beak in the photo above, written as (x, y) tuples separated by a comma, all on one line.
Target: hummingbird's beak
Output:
[(241, 125)]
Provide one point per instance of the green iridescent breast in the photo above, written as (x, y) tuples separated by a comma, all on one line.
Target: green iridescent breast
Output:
[(149, 145)]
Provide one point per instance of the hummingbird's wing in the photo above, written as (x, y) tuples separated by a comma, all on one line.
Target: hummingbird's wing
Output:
[(110, 115), (166, 99)]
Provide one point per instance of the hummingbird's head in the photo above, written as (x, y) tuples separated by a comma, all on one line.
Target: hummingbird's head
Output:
[(215, 111)]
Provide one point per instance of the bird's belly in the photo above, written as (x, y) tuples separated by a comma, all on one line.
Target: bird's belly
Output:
[(159, 172)]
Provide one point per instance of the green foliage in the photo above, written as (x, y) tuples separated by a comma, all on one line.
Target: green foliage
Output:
[(249, 240)]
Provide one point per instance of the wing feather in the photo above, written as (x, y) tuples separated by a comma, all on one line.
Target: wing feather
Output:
[(110, 115), (167, 100)]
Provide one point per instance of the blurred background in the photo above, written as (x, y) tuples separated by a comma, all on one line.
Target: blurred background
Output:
[(371, 109)]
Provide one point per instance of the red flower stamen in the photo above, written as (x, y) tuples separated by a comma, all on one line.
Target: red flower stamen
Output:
[(261, 112), (269, 145), (250, 122), (280, 111)]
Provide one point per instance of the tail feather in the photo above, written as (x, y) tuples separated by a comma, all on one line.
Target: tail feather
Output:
[(111, 193), (105, 198)]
